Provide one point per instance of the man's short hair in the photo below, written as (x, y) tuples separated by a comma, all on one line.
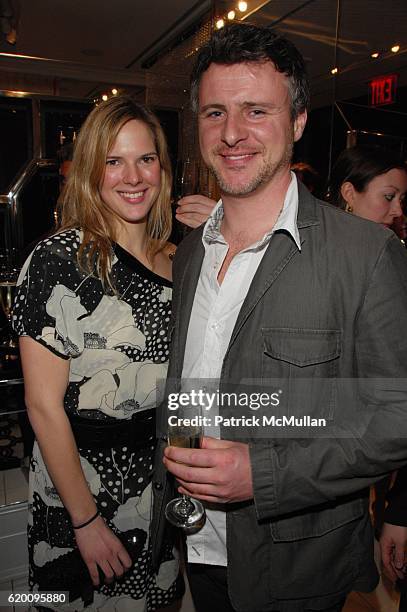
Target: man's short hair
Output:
[(237, 43)]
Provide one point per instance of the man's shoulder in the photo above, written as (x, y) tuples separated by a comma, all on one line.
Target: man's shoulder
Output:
[(347, 229), (188, 246)]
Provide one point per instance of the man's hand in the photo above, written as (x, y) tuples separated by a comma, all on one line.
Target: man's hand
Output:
[(393, 543), (100, 547), (193, 210), (219, 471)]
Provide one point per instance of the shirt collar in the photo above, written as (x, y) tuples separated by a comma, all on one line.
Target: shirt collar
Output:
[(287, 221)]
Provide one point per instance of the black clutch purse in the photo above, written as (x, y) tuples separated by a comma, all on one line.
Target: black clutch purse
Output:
[(70, 573)]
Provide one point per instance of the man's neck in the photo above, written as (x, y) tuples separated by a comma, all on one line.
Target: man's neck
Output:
[(248, 218)]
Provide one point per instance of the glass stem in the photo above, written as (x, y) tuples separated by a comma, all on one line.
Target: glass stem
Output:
[(186, 507)]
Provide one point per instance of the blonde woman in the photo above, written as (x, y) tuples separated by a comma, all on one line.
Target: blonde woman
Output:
[(92, 311)]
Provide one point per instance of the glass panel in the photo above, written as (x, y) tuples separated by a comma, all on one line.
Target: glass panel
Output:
[(16, 138)]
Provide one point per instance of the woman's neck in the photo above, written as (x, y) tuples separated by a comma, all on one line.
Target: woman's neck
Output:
[(133, 238)]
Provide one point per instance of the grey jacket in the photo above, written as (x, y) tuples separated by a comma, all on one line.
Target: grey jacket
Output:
[(333, 310)]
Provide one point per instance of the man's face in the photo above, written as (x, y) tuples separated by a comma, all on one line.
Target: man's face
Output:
[(246, 131)]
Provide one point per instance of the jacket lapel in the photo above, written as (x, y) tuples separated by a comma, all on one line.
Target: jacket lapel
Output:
[(280, 252), (188, 284)]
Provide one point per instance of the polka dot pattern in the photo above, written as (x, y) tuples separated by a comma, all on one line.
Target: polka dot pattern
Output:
[(119, 478)]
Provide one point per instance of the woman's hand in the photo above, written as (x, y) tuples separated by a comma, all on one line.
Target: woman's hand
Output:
[(393, 542), (193, 210), (100, 547)]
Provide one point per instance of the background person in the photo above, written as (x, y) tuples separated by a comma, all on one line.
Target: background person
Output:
[(369, 182)]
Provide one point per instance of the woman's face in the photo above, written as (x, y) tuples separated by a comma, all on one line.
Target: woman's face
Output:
[(382, 200), (132, 178)]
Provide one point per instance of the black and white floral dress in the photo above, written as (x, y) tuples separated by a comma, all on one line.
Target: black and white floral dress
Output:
[(118, 349)]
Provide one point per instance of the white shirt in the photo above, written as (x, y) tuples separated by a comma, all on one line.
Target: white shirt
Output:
[(213, 317)]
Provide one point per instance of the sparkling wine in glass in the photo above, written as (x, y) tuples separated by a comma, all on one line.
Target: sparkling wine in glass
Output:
[(186, 512), (7, 290)]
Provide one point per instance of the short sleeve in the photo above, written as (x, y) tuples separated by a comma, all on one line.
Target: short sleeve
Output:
[(45, 309)]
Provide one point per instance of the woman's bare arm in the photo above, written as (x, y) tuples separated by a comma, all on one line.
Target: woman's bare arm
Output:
[(46, 379)]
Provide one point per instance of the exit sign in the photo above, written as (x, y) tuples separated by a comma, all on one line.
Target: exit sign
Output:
[(382, 90)]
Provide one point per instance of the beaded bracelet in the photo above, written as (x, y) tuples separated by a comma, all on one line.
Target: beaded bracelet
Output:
[(87, 522)]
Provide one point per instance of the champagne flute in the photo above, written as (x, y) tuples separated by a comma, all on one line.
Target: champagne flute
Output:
[(8, 279), (185, 512)]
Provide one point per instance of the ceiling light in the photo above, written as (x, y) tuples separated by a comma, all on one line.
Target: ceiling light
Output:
[(395, 48), (231, 15), (114, 91), (334, 71), (11, 37), (220, 23), (104, 97), (242, 6), (375, 55)]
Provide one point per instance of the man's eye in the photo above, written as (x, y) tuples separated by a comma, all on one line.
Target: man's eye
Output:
[(214, 114), (257, 112)]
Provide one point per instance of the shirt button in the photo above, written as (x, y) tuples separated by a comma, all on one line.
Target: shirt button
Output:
[(158, 486)]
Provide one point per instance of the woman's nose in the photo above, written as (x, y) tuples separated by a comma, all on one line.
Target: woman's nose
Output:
[(397, 207), (131, 175)]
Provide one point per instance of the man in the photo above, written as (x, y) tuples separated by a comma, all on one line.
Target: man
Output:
[(278, 285)]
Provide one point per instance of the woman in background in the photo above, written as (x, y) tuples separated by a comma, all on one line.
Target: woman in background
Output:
[(371, 182), (92, 311)]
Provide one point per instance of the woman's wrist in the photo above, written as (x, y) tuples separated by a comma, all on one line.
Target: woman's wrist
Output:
[(87, 522), (82, 514)]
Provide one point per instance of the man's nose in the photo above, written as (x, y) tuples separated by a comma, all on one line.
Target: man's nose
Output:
[(234, 130)]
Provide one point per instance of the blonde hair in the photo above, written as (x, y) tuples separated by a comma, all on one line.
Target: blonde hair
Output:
[(80, 203)]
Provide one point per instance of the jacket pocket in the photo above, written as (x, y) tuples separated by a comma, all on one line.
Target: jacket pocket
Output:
[(321, 521), (305, 362)]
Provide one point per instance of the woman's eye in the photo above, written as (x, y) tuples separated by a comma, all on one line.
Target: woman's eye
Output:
[(148, 159), (112, 162), (389, 196)]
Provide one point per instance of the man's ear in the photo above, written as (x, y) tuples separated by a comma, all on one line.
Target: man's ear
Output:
[(348, 192), (299, 125)]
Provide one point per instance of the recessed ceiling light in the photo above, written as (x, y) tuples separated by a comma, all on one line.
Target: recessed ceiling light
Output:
[(375, 55), (104, 97), (231, 15), (114, 91), (395, 48), (220, 23), (242, 6), (334, 71)]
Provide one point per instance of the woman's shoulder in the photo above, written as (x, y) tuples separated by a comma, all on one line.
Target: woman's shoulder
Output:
[(63, 244), (53, 250), (66, 240)]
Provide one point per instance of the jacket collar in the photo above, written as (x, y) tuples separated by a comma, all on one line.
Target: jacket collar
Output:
[(278, 255), (307, 208)]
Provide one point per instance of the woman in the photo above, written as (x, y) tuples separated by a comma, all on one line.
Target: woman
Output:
[(372, 183), (369, 182), (92, 309)]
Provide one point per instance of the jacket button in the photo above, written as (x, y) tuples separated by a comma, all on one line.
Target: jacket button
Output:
[(158, 486)]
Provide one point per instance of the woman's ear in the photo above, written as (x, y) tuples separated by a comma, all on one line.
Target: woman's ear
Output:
[(348, 194)]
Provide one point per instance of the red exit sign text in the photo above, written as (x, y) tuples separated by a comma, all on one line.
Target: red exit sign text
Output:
[(383, 90)]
